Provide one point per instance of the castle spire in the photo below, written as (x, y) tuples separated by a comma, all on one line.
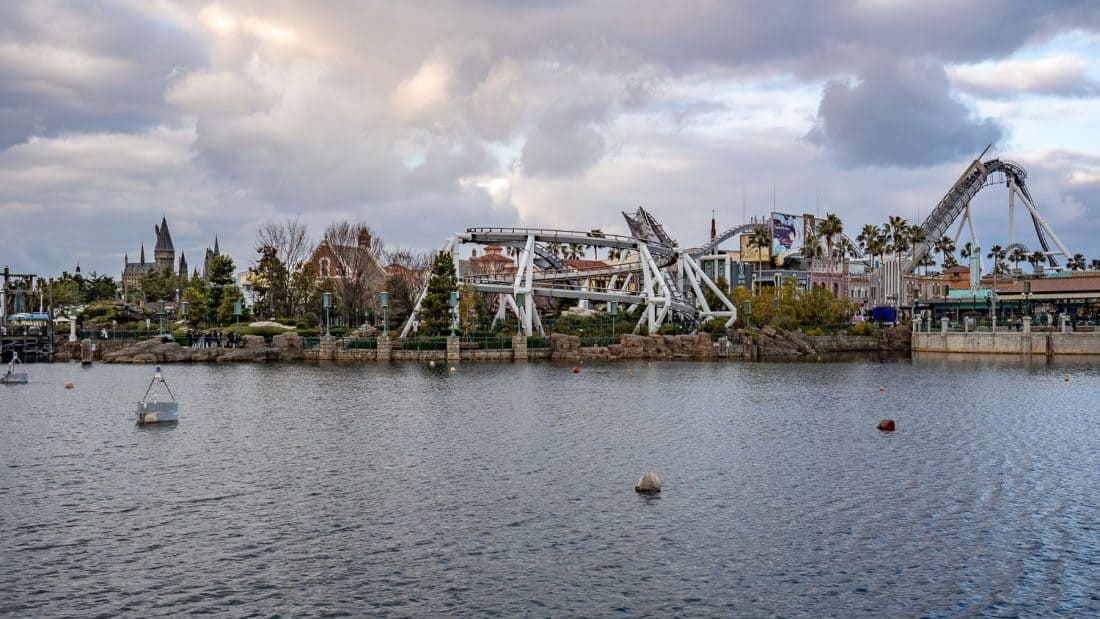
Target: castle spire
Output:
[(164, 238), (216, 245), (143, 252)]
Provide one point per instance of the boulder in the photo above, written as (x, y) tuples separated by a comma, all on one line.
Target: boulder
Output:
[(144, 357), (648, 484), (252, 342), (289, 346)]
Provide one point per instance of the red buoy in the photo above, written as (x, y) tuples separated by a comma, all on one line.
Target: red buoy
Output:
[(576, 370), (886, 425)]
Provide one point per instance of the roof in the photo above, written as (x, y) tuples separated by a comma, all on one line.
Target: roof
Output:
[(164, 238), (1077, 282), (584, 265), (487, 257)]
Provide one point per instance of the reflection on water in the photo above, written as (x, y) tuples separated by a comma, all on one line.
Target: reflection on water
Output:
[(407, 490)]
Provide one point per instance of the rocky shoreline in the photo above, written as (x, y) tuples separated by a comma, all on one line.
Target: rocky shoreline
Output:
[(744, 344)]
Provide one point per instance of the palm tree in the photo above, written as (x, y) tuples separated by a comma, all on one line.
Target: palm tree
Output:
[(897, 228), (1076, 263), (574, 251), (916, 235), (867, 235), (1017, 256), (555, 249), (811, 249), (614, 254), (830, 228), (966, 250), (950, 261), (945, 246), (1095, 264), (596, 233), (761, 239), (1036, 258), (997, 254)]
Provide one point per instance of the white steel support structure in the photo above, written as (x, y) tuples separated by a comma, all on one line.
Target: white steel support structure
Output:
[(695, 276)]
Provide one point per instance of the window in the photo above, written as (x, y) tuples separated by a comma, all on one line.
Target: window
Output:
[(325, 269)]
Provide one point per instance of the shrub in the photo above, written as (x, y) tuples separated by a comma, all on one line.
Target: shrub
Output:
[(814, 331), (862, 328), (669, 328), (714, 326)]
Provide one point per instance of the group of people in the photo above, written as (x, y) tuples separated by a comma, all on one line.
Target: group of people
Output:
[(212, 339)]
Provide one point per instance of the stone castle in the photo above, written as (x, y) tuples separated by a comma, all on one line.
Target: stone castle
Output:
[(164, 259)]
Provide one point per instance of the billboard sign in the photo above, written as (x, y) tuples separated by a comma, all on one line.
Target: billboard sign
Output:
[(751, 253), (787, 234)]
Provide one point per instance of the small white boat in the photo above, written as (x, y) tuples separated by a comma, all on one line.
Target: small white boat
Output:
[(154, 407), (11, 377)]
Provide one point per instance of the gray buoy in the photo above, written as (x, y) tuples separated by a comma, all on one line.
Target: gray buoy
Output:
[(648, 484)]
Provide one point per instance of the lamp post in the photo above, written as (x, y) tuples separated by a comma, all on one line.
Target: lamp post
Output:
[(384, 301), (326, 302), (160, 315), (748, 313), (237, 312), (613, 309), (454, 310)]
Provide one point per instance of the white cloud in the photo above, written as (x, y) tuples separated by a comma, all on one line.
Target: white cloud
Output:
[(1062, 75)]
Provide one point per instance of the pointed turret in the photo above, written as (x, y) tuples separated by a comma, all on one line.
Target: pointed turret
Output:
[(143, 252), (164, 238), (216, 253), (78, 267), (164, 253), (183, 265)]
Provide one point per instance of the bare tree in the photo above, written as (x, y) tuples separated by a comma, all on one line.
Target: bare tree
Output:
[(407, 273), (360, 275), (290, 240)]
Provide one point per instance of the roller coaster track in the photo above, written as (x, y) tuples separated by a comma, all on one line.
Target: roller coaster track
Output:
[(977, 176)]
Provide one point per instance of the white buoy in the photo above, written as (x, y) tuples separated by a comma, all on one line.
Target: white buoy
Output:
[(453, 369), (68, 385), (431, 364), (648, 484), (150, 418)]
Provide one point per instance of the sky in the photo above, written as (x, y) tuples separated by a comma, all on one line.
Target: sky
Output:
[(426, 118)]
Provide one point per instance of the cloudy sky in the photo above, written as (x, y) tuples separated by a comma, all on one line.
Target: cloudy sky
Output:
[(426, 118)]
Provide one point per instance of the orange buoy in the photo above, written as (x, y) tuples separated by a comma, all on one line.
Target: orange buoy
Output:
[(887, 425), (1067, 378), (576, 370), (881, 388)]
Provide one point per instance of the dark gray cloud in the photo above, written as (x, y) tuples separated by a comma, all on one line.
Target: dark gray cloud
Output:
[(565, 142), (901, 115), (86, 67)]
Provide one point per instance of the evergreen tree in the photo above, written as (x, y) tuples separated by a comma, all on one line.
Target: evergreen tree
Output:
[(435, 310), (219, 278)]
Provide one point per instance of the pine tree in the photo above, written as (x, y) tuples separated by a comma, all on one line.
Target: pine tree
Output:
[(435, 310)]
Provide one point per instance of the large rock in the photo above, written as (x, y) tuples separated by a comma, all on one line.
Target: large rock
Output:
[(564, 346), (289, 346), (253, 342)]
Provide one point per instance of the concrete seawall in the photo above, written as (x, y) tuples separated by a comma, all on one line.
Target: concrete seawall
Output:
[(1009, 343)]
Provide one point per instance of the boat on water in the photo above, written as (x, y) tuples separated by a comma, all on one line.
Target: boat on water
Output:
[(11, 377), (154, 406)]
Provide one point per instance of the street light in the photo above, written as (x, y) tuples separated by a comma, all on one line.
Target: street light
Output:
[(326, 302), (454, 310), (237, 312), (385, 303), (613, 309)]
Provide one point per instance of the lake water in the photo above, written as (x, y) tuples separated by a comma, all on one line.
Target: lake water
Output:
[(370, 489)]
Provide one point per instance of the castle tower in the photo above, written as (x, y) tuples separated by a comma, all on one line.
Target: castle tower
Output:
[(164, 253)]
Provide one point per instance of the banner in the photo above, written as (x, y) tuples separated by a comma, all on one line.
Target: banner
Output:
[(750, 253), (786, 236)]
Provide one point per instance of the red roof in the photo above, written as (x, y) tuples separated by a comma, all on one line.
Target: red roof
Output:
[(584, 265)]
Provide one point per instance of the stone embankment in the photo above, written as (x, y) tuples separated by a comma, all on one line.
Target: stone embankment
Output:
[(744, 344), (772, 342), (284, 347)]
